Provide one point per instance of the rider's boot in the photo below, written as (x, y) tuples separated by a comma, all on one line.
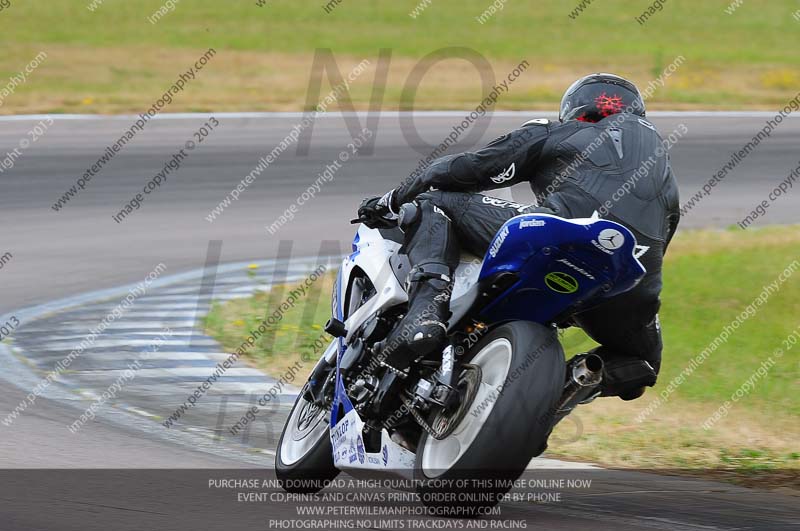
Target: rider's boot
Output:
[(423, 329)]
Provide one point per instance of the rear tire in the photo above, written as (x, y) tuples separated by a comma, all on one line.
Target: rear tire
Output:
[(522, 377)]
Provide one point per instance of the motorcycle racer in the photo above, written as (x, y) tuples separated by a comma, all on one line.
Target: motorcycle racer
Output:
[(603, 158)]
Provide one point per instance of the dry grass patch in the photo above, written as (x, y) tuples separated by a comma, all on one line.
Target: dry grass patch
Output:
[(86, 79), (745, 447)]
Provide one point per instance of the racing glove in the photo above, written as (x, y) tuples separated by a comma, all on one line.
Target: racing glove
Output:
[(377, 212)]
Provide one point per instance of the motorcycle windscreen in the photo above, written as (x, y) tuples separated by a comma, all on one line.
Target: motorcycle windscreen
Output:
[(560, 266)]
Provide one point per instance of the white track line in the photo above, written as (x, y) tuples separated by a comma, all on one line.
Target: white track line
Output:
[(112, 343), (156, 326), (201, 373)]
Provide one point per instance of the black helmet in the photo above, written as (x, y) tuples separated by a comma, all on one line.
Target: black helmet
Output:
[(592, 98)]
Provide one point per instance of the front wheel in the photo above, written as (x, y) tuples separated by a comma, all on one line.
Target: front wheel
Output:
[(304, 458), (521, 376)]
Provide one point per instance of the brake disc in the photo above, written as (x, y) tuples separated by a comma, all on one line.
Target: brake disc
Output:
[(445, 422)]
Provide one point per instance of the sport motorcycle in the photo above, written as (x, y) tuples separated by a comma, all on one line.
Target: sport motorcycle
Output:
[(483, 406)]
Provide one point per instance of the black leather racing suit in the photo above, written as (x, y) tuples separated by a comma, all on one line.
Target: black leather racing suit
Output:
[(575, 169)]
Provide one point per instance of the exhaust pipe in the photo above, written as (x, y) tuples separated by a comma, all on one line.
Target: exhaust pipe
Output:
[(584, 378)]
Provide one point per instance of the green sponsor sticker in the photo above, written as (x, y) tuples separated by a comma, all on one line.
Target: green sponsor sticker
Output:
[(561, 282)]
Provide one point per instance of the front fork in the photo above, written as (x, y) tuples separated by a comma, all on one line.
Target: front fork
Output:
[(315, 391)]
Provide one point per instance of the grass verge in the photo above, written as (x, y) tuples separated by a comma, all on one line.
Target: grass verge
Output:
[(709, 278), (298, 336), (110, 58)]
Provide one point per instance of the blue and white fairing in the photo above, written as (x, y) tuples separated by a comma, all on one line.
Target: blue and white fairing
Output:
[(560, 266), (370, 255)]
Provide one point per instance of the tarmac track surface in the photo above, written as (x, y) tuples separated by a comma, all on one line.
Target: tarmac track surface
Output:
[(80, 249)]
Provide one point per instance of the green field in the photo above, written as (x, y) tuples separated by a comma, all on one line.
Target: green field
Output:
[(112, 59), (710, 277)]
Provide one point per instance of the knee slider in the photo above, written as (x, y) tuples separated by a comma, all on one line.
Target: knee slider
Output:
[(633, 394), (627, 378)]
